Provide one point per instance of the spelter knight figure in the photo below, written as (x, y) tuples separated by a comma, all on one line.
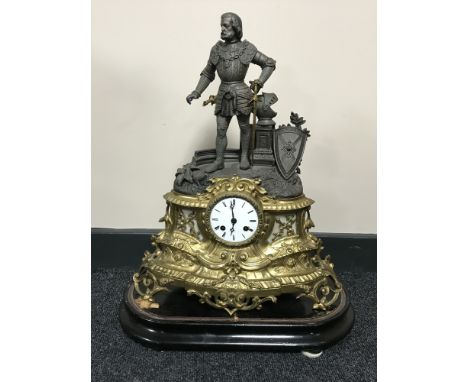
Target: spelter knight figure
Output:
[(231, 59)]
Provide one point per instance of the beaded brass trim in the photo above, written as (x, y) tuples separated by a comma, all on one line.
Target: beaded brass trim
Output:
[(236, 184), (268, 204)]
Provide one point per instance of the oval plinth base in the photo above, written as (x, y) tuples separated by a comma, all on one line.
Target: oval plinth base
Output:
[(181, 322)]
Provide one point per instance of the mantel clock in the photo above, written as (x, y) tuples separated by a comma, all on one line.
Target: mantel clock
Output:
[(236, 264)]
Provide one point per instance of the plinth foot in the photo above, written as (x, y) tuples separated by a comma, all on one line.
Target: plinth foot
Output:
[(312, 354), (181, 322)]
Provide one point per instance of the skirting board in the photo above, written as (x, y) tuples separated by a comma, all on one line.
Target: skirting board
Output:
[(111, 248)]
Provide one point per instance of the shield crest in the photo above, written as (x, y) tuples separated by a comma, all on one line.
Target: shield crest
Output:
[(288, 147)]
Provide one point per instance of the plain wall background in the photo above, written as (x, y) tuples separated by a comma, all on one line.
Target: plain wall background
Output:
[(147, 56)]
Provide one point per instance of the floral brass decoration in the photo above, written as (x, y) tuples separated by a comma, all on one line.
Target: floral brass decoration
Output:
[(244, 277), (244, 186), (325, 292), (308, 223), (231, 301), (147, 285), (285, 228), (167, 216), (186, 222)]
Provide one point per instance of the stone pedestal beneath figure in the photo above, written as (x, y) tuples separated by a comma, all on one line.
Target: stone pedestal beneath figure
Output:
[(263, 151), (264, 130)]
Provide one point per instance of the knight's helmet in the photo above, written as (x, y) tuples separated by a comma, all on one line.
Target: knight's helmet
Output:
[(265, 113)]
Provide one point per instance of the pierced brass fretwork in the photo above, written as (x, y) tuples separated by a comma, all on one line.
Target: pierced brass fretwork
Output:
[(285, 228)]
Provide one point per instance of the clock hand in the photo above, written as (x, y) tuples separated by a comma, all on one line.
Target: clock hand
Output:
[(233, 203), (233, 220)]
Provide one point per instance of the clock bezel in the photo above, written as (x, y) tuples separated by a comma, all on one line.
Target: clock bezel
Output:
[(228, 195)]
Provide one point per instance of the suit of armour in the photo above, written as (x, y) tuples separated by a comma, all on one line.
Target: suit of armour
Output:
[(231, 61)]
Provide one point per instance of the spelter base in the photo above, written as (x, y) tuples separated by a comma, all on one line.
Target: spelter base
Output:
[(181, 322)]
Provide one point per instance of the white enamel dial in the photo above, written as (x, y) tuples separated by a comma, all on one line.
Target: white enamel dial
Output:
[(234, 220)]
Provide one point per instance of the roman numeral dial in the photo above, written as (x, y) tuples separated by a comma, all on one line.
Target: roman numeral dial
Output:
[(234, 220)]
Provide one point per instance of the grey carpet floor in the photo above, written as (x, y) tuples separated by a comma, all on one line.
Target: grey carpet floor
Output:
[(118, 358)]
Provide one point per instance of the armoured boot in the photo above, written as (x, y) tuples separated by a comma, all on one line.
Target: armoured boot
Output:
[(218, 164), (245, 141)]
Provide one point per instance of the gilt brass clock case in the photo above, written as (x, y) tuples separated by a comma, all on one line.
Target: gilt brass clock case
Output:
[(282, 257)]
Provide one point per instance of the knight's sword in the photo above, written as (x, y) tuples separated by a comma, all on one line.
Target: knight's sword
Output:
[(210, 101), (254, 121)]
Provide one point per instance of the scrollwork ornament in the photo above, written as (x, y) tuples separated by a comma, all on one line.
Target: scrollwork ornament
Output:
[(147, 285), (236, 184), (324, 293), (231, 300)]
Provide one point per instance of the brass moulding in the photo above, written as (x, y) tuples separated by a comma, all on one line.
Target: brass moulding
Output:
[(283, 256), (242, 186)]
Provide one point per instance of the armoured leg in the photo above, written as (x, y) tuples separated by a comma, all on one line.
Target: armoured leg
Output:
[(245, 141), (221, 143)]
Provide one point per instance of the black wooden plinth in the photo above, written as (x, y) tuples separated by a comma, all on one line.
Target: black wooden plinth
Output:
[(181, 322)]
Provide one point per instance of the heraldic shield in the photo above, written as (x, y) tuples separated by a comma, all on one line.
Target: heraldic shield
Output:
[(288, 146)]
